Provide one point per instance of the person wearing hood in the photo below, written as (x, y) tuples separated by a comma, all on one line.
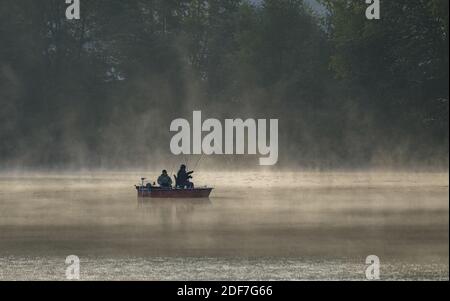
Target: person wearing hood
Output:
[(183, 176)]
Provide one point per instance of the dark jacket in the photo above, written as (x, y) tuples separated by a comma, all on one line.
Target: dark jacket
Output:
[(164, 181), (183, 177)]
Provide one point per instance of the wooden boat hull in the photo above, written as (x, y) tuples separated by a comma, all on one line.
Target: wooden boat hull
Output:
[(156, 192)]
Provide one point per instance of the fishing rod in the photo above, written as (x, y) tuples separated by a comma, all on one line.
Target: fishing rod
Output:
[(201, 156)]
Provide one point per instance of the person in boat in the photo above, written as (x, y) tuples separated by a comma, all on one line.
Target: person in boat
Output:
[(164, 180), (182, 178)]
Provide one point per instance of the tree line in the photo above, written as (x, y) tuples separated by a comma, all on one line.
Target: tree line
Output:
[(101, 91)]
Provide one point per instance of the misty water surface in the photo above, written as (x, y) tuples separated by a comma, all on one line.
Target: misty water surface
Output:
[(254, 226)]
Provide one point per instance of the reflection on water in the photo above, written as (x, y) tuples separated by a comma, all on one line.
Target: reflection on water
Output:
[(171, 211), (254, 226)]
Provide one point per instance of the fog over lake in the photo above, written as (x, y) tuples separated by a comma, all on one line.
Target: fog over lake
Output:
[(255, 225)]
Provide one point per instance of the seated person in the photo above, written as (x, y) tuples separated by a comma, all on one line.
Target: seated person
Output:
[(164, 180), (182, 178)]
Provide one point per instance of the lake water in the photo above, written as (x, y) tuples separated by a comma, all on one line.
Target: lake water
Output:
[(255, 226)]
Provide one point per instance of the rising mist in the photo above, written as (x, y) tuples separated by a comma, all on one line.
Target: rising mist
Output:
[(101, 92)]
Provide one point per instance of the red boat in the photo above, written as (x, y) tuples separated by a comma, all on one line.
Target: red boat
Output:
[(159, 192)]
